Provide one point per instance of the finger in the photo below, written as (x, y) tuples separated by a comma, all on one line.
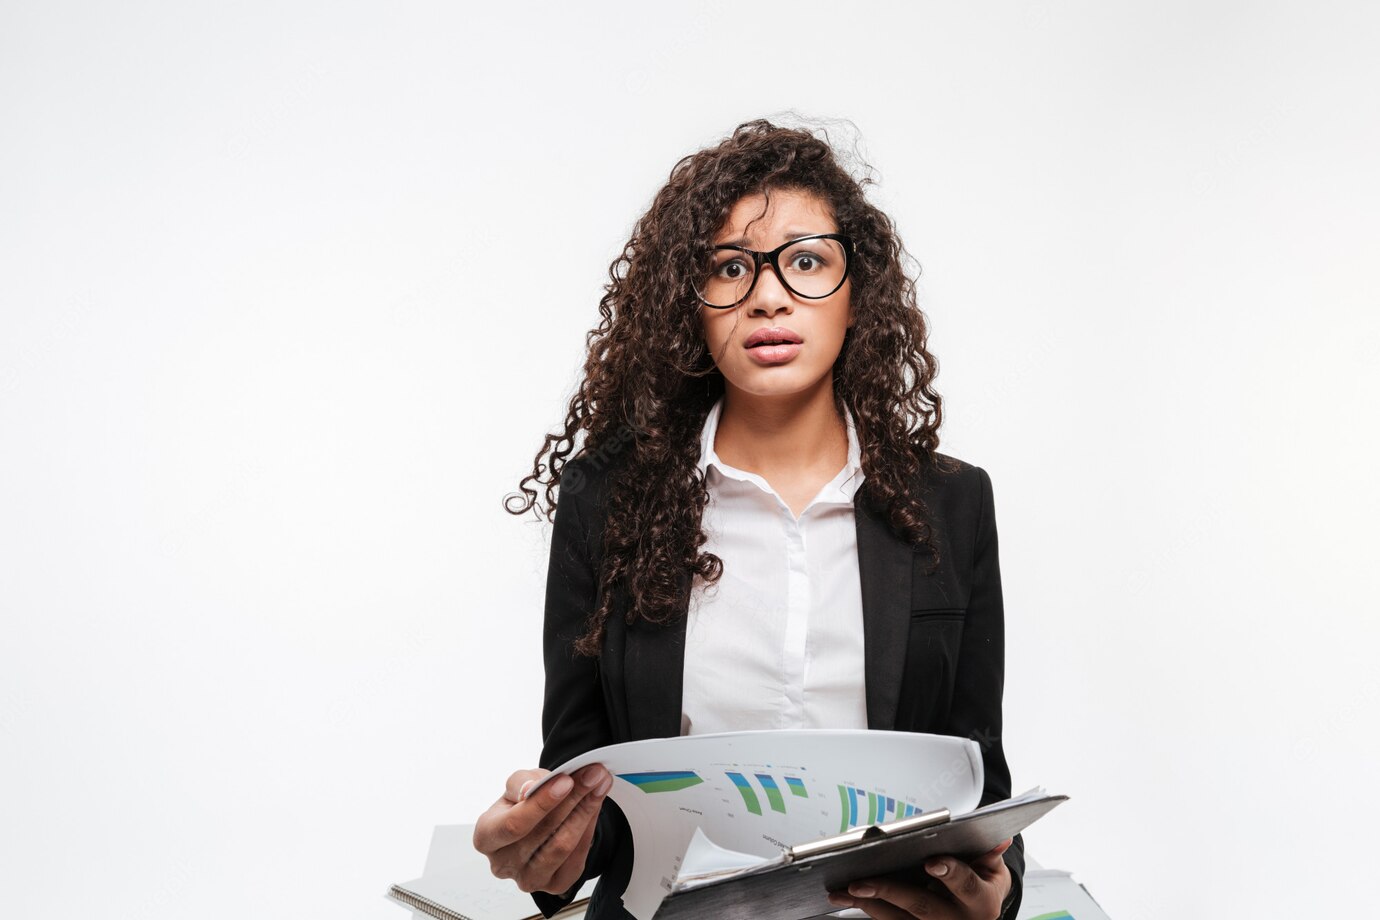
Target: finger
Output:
[(591, 776), (579, 804), (587, 780), (574, 866), (519, 782), (993, 857), (872, 908), (878, 909), (501, 827), (560, 856), (909, 899), (977, 894), (521, 852)]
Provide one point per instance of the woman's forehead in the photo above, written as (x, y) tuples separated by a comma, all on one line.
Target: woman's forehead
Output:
[(769, 221)]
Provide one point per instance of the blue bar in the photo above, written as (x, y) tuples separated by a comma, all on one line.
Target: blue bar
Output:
[(749, 796), (852, 807), (639, 779)]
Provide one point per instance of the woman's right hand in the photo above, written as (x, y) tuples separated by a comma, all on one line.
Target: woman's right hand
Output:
[(542, 842)]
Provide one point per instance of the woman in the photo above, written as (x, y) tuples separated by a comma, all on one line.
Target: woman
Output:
[(759, 531)]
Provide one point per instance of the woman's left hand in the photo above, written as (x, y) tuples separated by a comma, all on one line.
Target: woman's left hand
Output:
[(970, 891)]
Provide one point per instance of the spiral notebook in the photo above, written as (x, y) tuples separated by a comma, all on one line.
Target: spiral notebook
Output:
[(457, 898), (457, 885)]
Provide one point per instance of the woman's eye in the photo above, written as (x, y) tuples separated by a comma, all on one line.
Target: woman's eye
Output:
[(810, 262)]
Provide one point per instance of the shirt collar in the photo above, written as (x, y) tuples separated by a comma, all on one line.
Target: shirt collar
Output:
[(846, 482)]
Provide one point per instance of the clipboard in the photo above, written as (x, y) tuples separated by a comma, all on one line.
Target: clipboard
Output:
[(797, 885)]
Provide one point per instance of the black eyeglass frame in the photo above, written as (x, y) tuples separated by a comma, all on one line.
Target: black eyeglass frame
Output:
[(771, 258)]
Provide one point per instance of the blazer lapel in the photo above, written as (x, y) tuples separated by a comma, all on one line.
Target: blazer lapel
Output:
[(654, 669), (884, 568)]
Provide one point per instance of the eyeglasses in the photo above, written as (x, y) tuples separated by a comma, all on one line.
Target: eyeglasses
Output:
[(812, 267)]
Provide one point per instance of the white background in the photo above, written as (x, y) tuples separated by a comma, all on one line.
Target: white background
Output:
[(289, 295)]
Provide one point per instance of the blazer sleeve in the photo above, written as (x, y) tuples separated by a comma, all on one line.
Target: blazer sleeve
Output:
[(574, 718), (975, 711)]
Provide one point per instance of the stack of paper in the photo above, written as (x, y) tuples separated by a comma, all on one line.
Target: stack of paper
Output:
[(753, 795), (1051, 894)]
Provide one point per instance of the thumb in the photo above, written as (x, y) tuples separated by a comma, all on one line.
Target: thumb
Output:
[(520, 782)]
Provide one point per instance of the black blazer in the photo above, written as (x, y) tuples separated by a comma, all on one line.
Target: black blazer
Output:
[(933, 650)]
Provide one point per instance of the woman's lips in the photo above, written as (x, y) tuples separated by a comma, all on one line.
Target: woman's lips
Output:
[(776, 335), (774, 354)]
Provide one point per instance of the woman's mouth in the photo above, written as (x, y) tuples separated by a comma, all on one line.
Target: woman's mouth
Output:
[(774, 354), (773, 345)]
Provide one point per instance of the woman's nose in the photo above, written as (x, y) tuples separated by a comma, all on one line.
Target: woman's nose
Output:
[(770, 296)]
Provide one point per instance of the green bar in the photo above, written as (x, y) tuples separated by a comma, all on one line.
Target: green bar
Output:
[(663, 780), (745, 789), (843, 809), (670, 785), (773, 792), (871, 808)]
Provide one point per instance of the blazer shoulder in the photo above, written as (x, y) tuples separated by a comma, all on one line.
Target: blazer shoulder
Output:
[(584, 479), (951, 475), (958, 490)]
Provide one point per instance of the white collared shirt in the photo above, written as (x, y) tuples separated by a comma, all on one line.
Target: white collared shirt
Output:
[(778, 641)]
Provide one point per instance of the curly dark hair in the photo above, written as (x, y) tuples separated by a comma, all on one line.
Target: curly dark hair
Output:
[(645, 408)]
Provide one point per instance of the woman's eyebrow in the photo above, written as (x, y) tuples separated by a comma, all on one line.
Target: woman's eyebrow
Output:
[(791, 234)]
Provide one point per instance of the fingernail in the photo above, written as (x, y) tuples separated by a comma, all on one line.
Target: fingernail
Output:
[(561, 785), (862, 891), (593, 778), (605, 786), (522, 793), (940, 868), (839, 900)]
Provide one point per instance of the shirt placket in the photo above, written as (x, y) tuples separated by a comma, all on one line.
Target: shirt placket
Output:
[(797, 619)]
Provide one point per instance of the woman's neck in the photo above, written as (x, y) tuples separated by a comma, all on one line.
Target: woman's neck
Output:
[(783, 436)]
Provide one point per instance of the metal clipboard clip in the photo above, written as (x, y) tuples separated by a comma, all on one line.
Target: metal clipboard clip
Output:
[(863, 834)]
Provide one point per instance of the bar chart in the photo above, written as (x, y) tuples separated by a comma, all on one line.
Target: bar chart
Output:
[(859, 807), (771, 791)]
